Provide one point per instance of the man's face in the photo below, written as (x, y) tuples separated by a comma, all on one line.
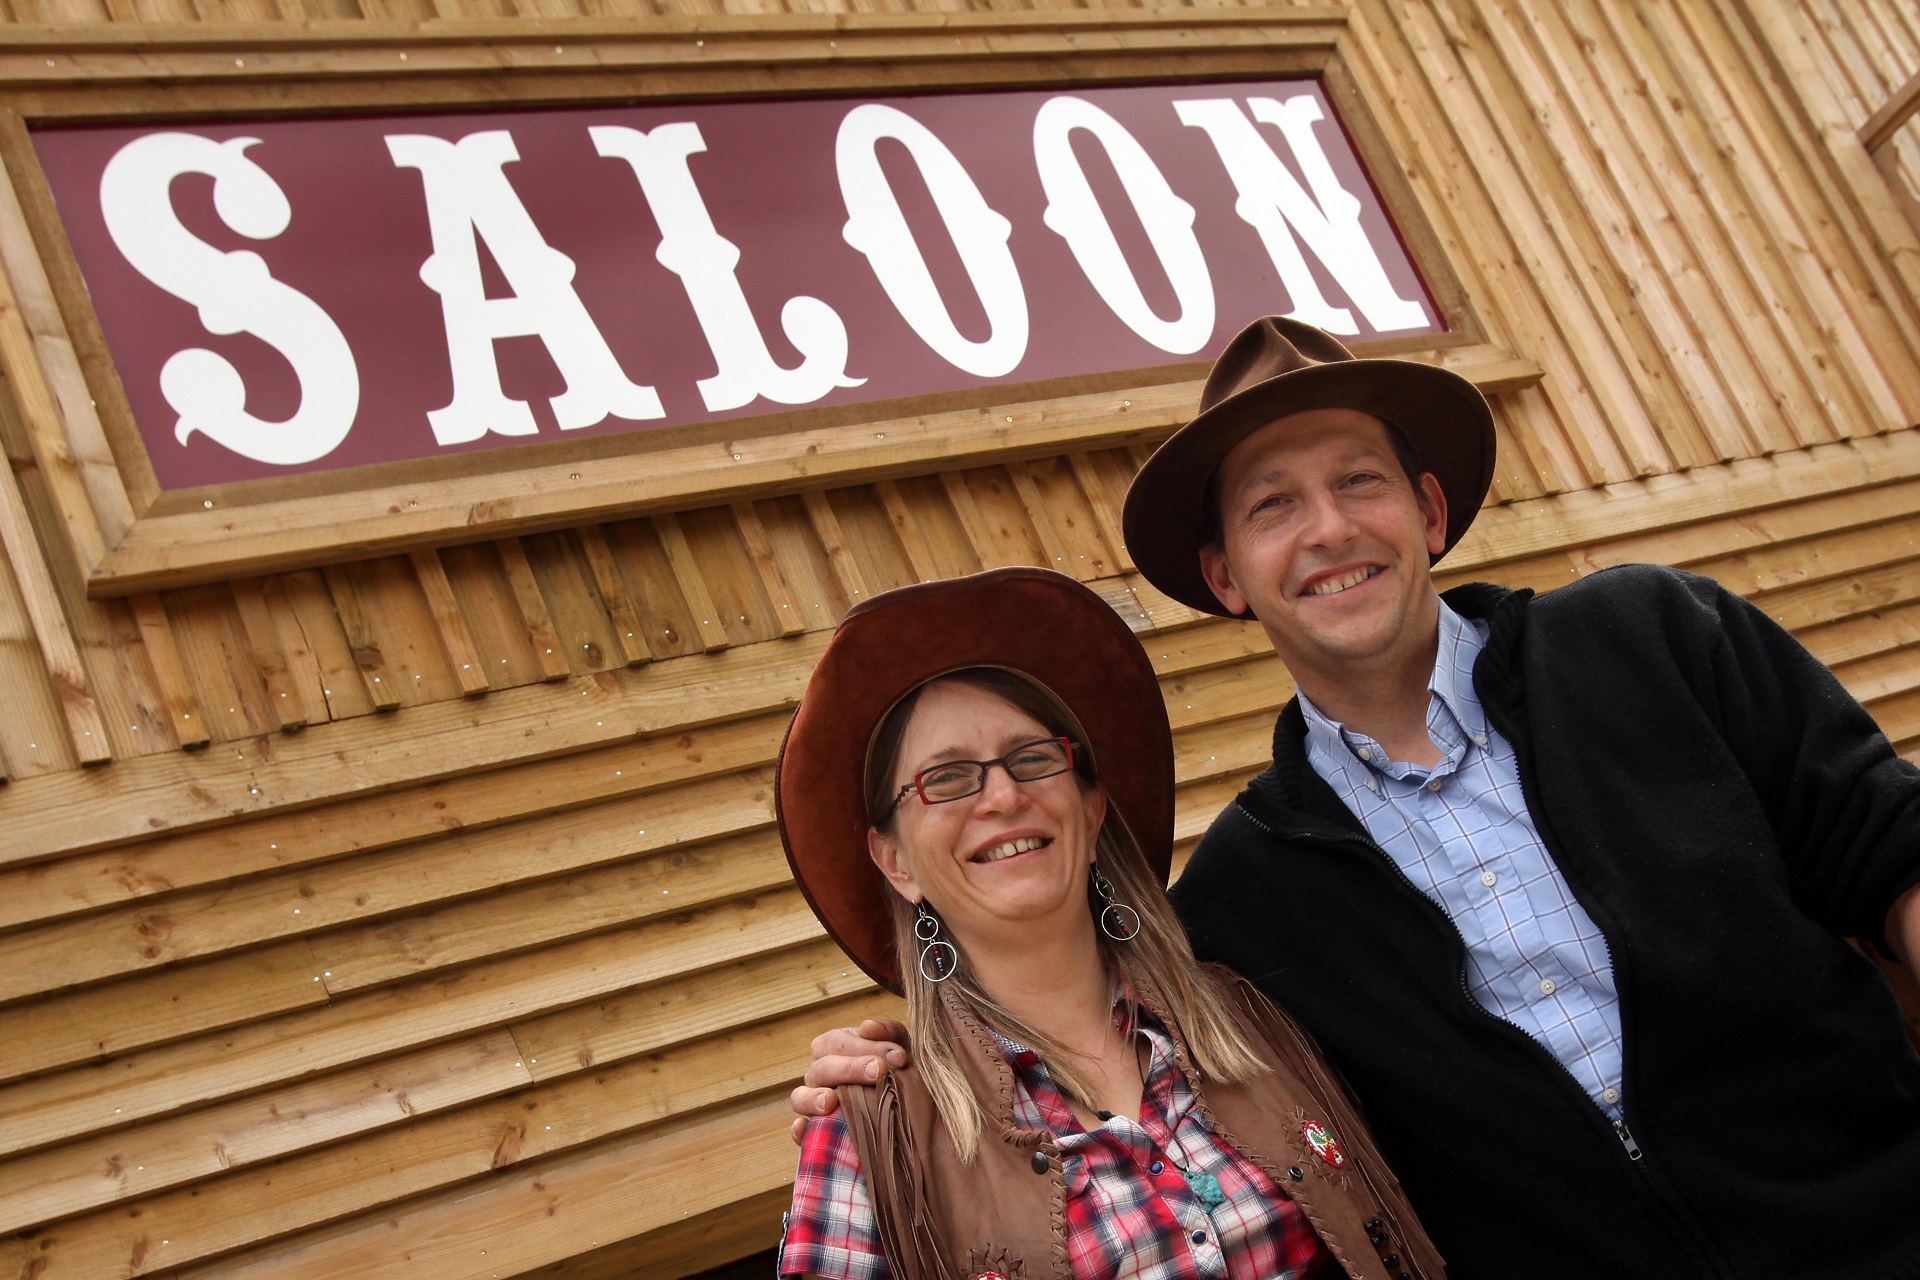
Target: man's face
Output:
[(1327, 541)]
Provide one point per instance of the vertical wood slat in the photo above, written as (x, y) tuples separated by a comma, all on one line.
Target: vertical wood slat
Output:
[(1087, 472), (906, 527), (1546, 420), (92, 504), (57, 648), (541, 633), (773, 580), (707, 623), (1673, 65), (1862, 327), (826, 527), (1702, 273), (450, 622), (1630, 286), (303, 663), (366, 649), (1035, 507), (163, 655), (284, 704), (972, 524), (629, 633), (1612, 414)]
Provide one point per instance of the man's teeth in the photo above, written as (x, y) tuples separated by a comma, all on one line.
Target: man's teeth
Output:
[(1336, 585), (1009, 848)]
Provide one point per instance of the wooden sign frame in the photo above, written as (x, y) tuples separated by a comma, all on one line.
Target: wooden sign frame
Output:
[(130, 536)]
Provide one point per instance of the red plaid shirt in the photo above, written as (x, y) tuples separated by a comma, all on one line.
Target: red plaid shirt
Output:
[(1130, 1211)]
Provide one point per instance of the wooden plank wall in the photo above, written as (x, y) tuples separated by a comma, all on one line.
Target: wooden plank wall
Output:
[(423, 916)]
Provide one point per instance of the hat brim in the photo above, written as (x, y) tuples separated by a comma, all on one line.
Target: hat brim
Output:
[(1443, 416), (1041, 624)]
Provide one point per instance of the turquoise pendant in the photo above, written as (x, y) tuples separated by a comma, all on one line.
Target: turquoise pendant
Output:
[(1206, 1188)]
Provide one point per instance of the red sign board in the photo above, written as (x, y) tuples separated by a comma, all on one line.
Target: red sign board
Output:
[(303, 295)]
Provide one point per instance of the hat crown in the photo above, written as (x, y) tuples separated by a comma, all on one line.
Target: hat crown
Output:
[(1267, 349)]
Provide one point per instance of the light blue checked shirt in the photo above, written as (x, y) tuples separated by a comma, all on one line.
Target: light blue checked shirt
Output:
[(1461, 832)]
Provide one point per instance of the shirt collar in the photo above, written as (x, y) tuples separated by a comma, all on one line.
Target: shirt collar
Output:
[(1461, 641)]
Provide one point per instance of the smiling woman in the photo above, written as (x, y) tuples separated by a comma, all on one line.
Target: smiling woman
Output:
[(975, 796)]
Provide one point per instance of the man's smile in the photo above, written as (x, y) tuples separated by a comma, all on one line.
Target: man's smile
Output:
[(1339, 580)]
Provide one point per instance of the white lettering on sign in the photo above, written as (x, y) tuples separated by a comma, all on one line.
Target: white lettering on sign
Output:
[(468, 196), (1074, 213), (878, 229), (705, 260), (1272, 201), (235, 293)]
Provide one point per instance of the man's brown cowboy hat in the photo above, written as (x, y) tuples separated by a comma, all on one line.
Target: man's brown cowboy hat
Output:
[(1038, 623), (1276, 367)]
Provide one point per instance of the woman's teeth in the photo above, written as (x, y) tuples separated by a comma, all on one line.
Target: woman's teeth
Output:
[(1336, 585), (1008, 848)]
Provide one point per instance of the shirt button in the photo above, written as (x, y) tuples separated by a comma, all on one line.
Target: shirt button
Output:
[(1156, 1167), (1609, 1096), (1199, 1237), (1548, 986), (1488, 879), (1480, 738), (1433, 784), (1365, 753), (1372, 785)]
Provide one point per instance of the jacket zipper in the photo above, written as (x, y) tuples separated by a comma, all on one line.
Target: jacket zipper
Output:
[(1620, 1130)]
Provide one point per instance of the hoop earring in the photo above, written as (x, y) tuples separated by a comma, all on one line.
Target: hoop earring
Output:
[(1117, 920), (936, 953)]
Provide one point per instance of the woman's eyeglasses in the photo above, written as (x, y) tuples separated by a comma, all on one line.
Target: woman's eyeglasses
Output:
[(958, 779)]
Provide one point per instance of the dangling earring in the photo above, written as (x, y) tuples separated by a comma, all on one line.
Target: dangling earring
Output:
[(938, 959), (1117, 920)]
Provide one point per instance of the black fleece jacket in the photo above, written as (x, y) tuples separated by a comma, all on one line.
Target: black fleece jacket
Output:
[(1728, 815)]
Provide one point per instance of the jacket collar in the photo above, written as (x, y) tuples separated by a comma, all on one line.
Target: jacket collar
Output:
[(1291, 791)]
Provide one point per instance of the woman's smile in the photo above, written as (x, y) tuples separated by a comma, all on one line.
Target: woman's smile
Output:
[(1011, 847)]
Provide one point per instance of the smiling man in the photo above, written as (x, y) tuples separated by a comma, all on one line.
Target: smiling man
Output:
[(1563, 884)]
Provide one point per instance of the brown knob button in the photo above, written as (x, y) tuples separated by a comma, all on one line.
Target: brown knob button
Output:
[(1040, 1164)]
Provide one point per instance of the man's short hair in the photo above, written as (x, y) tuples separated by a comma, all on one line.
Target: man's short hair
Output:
[(1403, 453)]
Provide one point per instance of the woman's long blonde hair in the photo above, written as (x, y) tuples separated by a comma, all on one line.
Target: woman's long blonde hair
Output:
[(1157, 957)]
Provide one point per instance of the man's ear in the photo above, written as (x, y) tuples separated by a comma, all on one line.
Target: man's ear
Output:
[(884, 849), (1219, 575), (1433, 512)]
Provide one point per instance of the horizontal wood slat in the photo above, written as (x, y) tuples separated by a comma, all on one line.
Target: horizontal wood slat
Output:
[(443, 984)]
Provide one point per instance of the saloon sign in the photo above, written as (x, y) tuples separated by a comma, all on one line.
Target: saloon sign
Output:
[(288, 296)]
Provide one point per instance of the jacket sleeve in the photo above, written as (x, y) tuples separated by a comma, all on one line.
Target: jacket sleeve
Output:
[(1844, 808)]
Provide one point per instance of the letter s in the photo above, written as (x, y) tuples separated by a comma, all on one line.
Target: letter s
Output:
[(234, 292)]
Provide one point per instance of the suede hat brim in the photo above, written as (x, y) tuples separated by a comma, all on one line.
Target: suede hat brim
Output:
[(1036, 622), (1443, 416)]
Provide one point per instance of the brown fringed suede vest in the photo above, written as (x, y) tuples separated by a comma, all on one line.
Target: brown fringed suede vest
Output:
[(1006, 1213)]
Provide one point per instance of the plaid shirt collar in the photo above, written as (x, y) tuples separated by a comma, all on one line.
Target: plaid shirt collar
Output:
[(1455, 717)]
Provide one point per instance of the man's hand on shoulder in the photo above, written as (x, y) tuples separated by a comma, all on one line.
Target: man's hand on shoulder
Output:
[(847, 1055)]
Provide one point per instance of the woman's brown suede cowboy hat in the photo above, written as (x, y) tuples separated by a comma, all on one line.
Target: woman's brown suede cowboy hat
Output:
[(1036, 622), (1275, 367)]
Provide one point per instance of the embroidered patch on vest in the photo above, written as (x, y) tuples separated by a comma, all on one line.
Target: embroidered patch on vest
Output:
[(1323, 1144)]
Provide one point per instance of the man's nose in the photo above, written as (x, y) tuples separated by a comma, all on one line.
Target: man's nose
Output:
[(1325, 521)]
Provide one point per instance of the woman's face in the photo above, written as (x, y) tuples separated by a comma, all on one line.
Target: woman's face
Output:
[(996, 863)]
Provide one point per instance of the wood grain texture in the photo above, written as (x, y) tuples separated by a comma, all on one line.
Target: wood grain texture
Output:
[(563, 977)]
